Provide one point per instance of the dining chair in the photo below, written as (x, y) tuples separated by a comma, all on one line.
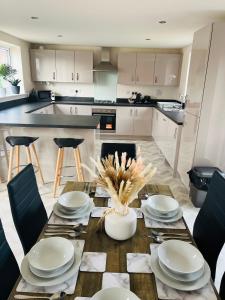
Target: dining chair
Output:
[(209, 226), (28, 211), (222, 287), (9, 270), (111, 148)]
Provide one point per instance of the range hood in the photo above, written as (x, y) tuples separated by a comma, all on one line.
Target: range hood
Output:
[(105, 64)]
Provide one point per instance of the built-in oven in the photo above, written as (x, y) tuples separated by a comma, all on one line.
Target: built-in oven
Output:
[(107, 119)]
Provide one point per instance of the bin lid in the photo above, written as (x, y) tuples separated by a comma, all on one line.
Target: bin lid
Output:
[(203, 172)]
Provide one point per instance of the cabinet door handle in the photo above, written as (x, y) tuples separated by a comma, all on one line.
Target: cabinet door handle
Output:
[(53, 76), (72, 77), (175, 133), (77, 76), (71, 110), (156, 79), (76, 110), (131, 112)]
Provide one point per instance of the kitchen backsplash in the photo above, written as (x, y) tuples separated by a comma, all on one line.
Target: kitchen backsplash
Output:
[(122, 91)]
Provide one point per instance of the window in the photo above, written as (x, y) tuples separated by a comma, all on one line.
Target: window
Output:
[(4, 55)]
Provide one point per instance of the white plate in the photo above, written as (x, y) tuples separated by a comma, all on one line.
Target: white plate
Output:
[(82, 214), (181, 277), (162, 216), (113, 293), (30, 278), (51, 254), (73, 200), (158, 219), (69, 212), (180, 257), (162, 204), (59, 272), (179, 285)]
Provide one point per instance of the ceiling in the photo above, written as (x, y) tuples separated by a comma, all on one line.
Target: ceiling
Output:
[(115, 23)]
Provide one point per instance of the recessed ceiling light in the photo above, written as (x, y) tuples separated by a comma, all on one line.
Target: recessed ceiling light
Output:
[(148, 39), (34, 18), (162, 22), (59, 36)]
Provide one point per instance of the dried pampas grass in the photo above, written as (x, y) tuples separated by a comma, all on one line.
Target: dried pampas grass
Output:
[(123, 178)]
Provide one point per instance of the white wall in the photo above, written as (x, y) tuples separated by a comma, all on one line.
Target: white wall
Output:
[(123, 91), (20, 58)]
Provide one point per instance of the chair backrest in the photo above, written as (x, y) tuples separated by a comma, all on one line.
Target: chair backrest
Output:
[(111, 148), (9, 270), (222, 287), (209, 226), (28, 211)]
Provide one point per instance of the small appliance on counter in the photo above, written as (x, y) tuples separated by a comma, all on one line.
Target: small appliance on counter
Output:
[(44, 95), (139, 98)]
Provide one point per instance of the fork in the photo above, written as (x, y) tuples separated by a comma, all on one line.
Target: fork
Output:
[(160, 239), (158, 233), (57, 233)]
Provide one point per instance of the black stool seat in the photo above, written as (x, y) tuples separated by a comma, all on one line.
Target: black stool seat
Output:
[(67, 142), (20, 140)]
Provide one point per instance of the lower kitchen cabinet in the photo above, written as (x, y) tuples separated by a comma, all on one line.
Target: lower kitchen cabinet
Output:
[(166, 134), (67, 109), (134, 121)]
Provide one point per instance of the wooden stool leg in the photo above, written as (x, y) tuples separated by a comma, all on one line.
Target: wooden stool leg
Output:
[(60, 167), (57, 171), (38, 163), (78, 165), (10, 164), (79, 161), (18, 158), (29, 160)]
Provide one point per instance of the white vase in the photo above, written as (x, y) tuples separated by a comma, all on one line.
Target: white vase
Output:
[(121, 227)]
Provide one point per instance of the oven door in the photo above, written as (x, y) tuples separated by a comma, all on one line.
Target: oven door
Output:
[(107, 121)]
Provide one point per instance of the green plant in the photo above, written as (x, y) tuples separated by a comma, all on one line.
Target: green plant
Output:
[(14, 81), (7, 72)]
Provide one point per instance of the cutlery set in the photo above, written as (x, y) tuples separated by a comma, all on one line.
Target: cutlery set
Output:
[(160, 237), (71, 231), (55, 296)]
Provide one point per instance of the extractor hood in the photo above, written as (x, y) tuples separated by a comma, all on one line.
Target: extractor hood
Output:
[(105, 64)]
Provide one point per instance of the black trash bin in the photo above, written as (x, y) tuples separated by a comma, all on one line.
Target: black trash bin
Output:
[(200, 178)]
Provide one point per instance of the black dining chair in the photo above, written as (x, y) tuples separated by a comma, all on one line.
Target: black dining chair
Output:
[(209, 226), (9, 270), (28, 211), (222, 288), (111, 148)]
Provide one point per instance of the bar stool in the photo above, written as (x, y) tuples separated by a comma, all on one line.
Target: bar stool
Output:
[(67, 143), (15, 142)]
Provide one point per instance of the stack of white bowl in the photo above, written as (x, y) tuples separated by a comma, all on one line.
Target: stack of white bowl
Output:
[(51, 257), (74, 204), (180, 261), (162, 208)]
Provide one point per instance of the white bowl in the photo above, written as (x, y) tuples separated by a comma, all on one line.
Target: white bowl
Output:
[(114, 293), (73, 200), (51, 254), (180, 257), (162, 204)]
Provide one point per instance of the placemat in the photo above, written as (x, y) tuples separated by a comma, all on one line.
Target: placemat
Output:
[(60, 221), (67, 286), (101, 193), (168, 293)]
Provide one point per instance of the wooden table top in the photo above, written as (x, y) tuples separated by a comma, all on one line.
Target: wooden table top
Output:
[(143, 285)]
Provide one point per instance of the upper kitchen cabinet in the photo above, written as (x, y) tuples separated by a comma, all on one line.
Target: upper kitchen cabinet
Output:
[(167, 69), (65, 65), (136, 68), (62, 66), (126, 68), (83, 66), (43, 67)]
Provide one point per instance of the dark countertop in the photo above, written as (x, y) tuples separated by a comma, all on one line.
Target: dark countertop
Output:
[(19, 115)]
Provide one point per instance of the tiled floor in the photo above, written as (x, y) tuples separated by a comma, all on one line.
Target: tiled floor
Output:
[(164, 175)]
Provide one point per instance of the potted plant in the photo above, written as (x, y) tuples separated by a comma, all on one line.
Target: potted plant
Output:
[(7, 73)]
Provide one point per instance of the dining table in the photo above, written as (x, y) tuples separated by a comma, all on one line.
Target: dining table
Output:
[(96, 240)]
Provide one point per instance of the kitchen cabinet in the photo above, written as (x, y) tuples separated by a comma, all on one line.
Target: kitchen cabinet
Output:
[(83, 67), (166, 134), (65, 65), (149, 69), (62, 65), (134, 121), (67, 109), (43, 66), (167, 69)]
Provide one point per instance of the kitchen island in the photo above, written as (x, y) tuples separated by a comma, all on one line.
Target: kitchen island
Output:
[(18, 121)]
